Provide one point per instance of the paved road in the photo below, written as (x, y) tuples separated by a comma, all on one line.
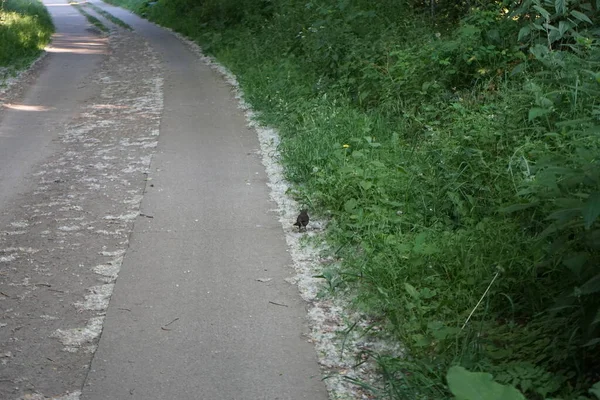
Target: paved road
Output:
[(141, 167), (30, 125)]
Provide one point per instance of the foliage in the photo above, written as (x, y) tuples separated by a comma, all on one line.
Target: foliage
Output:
[(457, 160), (25, 29), (466, 385)]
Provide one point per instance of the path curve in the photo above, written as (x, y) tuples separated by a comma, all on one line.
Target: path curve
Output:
[(199, 264), (147, 172)]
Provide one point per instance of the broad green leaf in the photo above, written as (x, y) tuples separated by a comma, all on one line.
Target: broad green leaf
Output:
[(575, 262), (590, 343), (532, 86), (427, 293), (565, 215), (591, 286), (420, 239), (366, 185), (410, 289), (517, 207), (560, 6), (539, 51), (538, 27), (357, 154), (545, 14), (596, 318), (564, 26), (347, 169), (554, 34), (596, 77), (350, 205), (573, 122), (595, 390), (363, 95), (421, 341), (518, 69), (422, 245), (568, 202), (466, 385), (581, 16), (591, 210), (440, 331), (544, 102), (524, 33), (537, 112)]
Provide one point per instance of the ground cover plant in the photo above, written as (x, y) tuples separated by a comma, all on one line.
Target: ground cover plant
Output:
[(455, 147), (25, 29)]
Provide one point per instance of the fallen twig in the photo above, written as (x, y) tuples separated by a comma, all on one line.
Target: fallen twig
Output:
[(278, 304), (164, 328)]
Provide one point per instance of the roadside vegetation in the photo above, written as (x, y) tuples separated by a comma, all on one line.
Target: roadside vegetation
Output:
[(109, 16), (25, 29), (455, 146), (90, 18)]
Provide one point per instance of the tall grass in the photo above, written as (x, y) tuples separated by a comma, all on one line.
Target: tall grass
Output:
[(25, 29), (456, 151)]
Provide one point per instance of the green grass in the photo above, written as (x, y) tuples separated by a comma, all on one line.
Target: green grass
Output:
[(91, 19), (109, 16), (25, 29), (458, 160)]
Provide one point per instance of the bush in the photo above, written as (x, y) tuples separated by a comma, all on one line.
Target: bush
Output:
[(25, 29)]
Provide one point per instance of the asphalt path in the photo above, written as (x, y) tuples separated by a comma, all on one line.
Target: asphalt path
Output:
[(144, 147), (197, 265), (30, 125)]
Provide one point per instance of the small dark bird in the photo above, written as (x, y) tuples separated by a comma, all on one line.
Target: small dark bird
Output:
[(302, 220)]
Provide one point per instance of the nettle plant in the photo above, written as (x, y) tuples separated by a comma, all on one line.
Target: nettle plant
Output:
[(553, 24), (559, 189)]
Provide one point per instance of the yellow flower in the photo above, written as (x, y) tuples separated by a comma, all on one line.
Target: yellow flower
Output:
[(346, 146)]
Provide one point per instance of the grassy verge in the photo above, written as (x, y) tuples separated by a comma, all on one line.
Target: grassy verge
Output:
[(109, 16), (91, 19), (25, 29), (457, 155)]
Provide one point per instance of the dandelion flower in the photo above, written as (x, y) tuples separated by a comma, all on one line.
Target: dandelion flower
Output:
[(346, 146)]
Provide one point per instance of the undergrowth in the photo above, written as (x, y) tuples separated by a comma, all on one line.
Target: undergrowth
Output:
[(455, 147), (25, 29)]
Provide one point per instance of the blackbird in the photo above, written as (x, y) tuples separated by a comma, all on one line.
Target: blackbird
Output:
[(302, 220)]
